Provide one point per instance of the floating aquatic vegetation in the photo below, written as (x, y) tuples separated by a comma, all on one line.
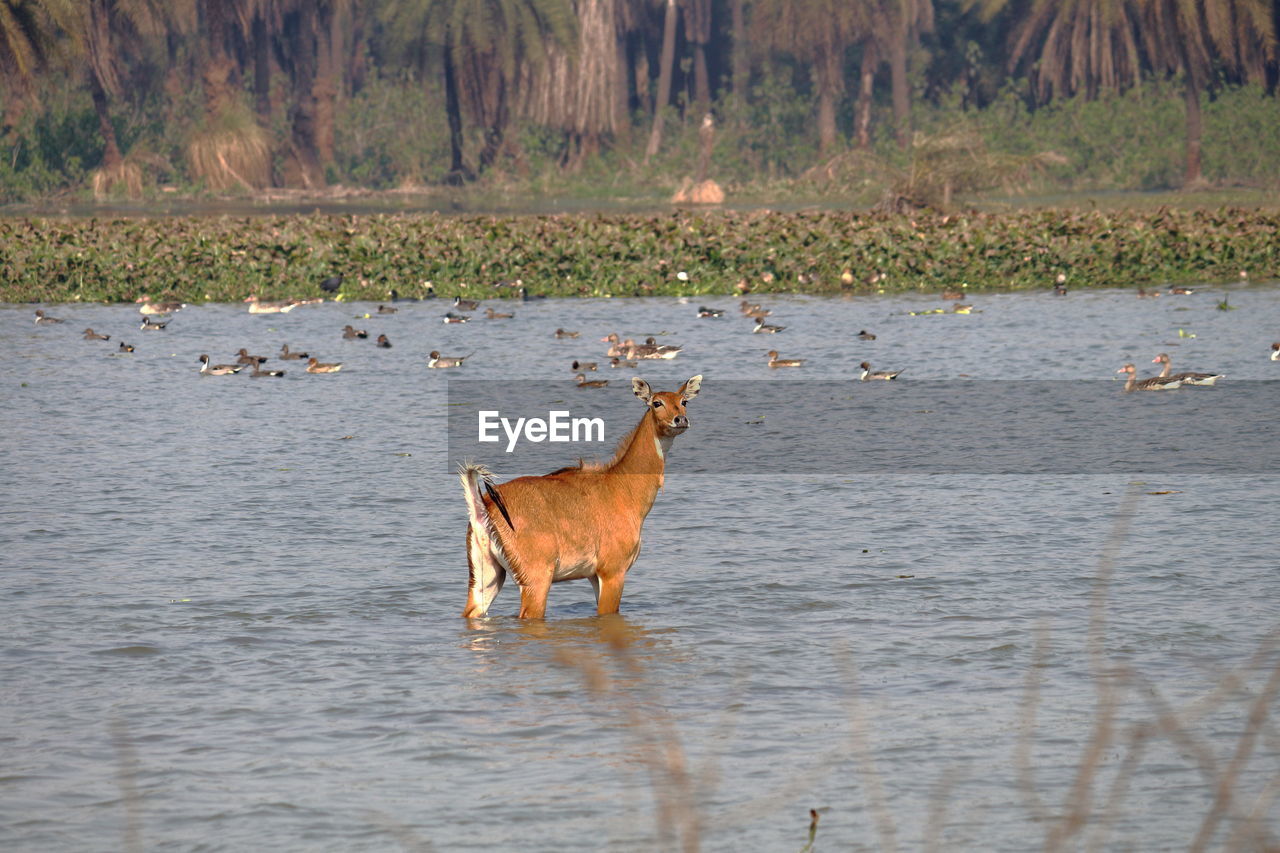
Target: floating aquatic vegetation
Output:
[(223, 259)]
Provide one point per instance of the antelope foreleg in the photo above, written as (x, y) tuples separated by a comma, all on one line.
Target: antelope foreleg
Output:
[(533, 594)]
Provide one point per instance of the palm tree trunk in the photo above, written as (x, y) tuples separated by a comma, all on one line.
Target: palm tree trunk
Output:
[(828, 74), (304, 161), (900, 84), (701, 79), (664, 79), (458, 171), (111, 157), (324, 88), (866, 87), (219, 68), (741, 69), (261, 70), (1195, 131)]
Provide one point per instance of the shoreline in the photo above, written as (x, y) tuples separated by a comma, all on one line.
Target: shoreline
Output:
[(223, 258)]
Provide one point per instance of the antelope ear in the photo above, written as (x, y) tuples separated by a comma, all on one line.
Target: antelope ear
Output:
[(689, 390), (641, 389)]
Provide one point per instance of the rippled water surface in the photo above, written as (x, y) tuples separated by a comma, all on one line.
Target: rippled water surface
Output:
[(230, 614)]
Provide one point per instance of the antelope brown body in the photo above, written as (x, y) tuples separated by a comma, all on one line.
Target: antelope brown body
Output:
[(579, 522)]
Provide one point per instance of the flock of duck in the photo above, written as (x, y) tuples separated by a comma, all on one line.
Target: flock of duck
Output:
[(156, 318), (621, 353)]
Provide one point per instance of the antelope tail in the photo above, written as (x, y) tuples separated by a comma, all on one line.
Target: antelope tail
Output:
[(486, 557)]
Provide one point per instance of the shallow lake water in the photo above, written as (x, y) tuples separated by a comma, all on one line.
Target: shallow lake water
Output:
[(231, 605)]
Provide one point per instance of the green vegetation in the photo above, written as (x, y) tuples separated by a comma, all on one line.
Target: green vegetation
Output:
[(197, 259), (899, 103)]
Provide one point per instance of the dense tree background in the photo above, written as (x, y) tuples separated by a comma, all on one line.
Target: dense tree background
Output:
[(125, 96)]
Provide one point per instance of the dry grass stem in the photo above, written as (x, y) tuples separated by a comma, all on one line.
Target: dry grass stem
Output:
[(1079, 803), (1031, 701), (127, 780), (872, 783)]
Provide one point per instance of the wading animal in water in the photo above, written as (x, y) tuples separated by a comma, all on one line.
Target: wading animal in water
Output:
[(578, 522)]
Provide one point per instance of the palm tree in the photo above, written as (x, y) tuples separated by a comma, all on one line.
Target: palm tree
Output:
[(1190, 37), (1078, 46), (898, 25), (108, 29), (816, 32), (1085, 46), (583, 92), (697, 29), (481, 46), (665, 73), (32, 32)]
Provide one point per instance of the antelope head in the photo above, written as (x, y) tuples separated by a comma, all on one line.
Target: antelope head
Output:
[(668, 407)]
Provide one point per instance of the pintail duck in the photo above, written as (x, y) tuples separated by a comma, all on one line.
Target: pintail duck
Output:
[(286, 353), (750, 309), (125, 347), (583, 365), (774, 361), (146, 306), (91, 335), (1143, 293), (149, 325), (42, 320), (451, 317), (490, 314), (763, 328), (1187, 378), (387, 309), (314, 366), (243, 357), (961, 308), (1155, 383), (594, 383), (867, 374), (649, 349), (384, 342), (1181, 291), (561, 333), (437, 360), (617, 362), (864, 335), (257, 306), (207, 369), (350, 333), (704, 311), (952, 295), (258, 372), (465, 304), (1275, 351)]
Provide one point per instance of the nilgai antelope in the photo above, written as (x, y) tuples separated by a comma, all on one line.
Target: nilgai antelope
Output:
[(578, 522)]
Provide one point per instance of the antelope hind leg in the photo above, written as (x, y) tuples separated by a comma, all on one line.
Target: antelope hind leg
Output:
[(608, 591)]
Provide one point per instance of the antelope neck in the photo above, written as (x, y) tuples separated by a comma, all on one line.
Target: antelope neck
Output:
[(643, 452)]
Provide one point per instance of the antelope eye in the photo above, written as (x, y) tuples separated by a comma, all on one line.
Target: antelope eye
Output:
[(657, 403)]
